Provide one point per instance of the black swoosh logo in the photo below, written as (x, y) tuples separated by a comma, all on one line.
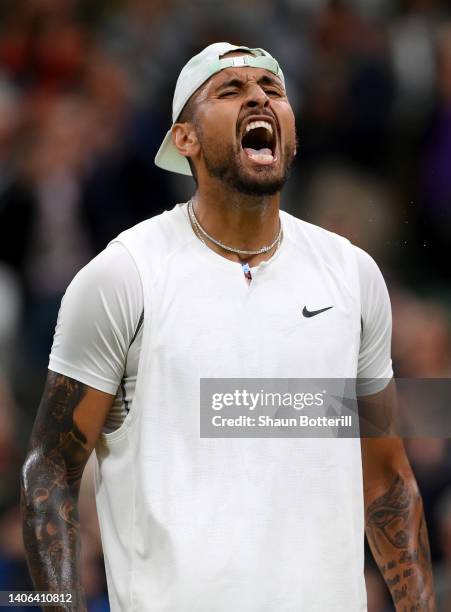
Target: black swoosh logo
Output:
[(313, 313)]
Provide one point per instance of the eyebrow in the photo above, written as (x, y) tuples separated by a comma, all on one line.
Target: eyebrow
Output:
[(236, 82), (269, 80)]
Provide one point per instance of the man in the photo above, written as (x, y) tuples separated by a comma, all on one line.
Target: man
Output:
[(224, 286)]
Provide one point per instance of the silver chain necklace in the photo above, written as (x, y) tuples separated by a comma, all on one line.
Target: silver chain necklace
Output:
[(200, 231)]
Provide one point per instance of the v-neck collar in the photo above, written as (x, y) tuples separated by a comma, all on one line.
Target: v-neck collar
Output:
[(226, 264)]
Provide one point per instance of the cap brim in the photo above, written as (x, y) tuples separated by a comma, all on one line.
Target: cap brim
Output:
[(170, 159)]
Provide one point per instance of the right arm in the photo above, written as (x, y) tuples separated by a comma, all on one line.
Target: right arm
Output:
[(67, 426), (96, 325)]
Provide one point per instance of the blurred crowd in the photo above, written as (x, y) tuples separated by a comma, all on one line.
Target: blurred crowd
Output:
[(85, 100)]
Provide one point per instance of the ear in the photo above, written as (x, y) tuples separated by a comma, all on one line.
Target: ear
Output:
[(185, 139)]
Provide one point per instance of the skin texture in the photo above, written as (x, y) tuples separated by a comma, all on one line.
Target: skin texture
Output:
[(394, 517), (263, 93), (68, 423)]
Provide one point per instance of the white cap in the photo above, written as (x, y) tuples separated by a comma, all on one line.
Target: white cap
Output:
[(198, 70)]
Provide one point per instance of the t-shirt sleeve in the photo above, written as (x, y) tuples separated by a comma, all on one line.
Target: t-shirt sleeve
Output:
[(375, 365), (97, 320)]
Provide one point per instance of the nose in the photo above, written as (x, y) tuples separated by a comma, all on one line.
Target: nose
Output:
[(256, 97)]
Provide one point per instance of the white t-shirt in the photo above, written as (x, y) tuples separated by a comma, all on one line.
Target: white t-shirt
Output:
[(99, 331), (191, 523)]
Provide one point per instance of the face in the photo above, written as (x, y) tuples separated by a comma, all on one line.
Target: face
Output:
[(246, 131)]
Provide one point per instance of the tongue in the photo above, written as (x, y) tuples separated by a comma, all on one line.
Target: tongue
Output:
[(261, 156), (250, 151)]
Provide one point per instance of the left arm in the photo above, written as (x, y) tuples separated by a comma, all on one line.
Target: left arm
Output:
[(394, 517)]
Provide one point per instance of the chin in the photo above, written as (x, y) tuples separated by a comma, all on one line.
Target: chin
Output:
[(258, 181), (261, 182), (258, 186)]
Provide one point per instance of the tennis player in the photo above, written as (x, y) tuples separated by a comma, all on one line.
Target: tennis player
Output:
[(224, 286)]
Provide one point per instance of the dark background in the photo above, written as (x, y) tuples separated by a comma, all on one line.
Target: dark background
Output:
[(85, 100)]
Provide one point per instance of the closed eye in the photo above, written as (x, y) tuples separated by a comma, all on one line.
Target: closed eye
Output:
[(229, 93), (273, 92)]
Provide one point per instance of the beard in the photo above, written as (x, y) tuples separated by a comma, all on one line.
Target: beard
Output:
[(225, 164)]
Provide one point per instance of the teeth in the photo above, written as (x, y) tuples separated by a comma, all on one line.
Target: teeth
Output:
[(259, 124)]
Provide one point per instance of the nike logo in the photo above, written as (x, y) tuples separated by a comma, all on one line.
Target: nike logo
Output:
[(313, 313)]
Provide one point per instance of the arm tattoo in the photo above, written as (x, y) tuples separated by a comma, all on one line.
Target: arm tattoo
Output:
[(397, 535), (50, 483)]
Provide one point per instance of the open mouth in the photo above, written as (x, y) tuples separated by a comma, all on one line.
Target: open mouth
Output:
[(259, 142)]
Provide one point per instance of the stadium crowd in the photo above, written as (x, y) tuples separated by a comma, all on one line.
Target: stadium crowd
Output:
[(85, 100)]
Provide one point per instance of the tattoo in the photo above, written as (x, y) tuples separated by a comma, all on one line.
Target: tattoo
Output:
[(391, 564), (397, 534), (388, 514), (392, 581), (399, 594), (50, 483)]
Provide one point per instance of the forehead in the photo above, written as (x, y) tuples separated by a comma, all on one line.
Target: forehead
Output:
[(243, 74)]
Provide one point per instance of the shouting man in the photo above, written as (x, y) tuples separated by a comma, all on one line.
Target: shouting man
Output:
[(223, 286)]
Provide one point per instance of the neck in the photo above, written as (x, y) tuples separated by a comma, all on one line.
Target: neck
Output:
[(236, 219)]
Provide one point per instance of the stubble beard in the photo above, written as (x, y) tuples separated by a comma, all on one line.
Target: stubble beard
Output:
[(226, 165)]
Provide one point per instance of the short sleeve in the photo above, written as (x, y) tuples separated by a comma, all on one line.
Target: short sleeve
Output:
[(375, 365), (97, 320)]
